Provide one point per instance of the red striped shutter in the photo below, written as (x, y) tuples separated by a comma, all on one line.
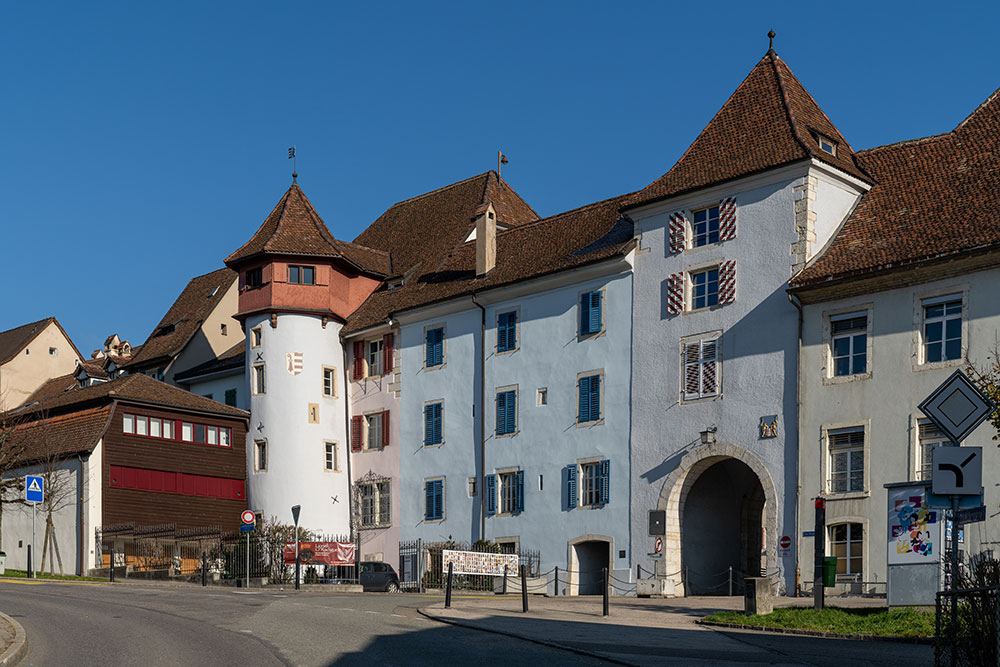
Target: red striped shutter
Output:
[(727, 281), (359, 360), (675, 294), (727, 219), (385, 428), (357, 431), (678, 227), (387, 353)]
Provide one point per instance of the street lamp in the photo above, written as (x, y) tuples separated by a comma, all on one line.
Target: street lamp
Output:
[(708, 435), (295, 518)]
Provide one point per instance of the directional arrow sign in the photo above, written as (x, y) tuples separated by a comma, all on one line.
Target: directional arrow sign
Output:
[(957, 406), (957, 471)]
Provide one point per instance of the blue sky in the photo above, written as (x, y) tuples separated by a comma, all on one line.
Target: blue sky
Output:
[(143, 142)]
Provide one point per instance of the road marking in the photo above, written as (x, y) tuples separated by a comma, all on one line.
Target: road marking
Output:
[(372, 612), (249, 632), (39, 582)]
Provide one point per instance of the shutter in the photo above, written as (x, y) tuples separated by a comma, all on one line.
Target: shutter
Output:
[(595, 311), (491, 495), (429, 348), (692, 370), (429, 425), (585, 313), (727, 281), (584, 400), (727, 219), (501, 412), (385, 428), (595, 397), (519, 500), (605, 489), (359, 359), (709, 367), (428, 501), (678, 227), (387, 353), (675, 294), (357, 429), (511, 424), (439, 499), (438, 422), (512, 331), (571, 486)]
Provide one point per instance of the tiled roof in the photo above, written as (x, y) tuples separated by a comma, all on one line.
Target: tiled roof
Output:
[(135, 388), (575, 238), (933, 198), (419, 228), (14, 340), (231, 359), (295, 228), (57, 436), (183, 320), (770, 120), (94, 368)]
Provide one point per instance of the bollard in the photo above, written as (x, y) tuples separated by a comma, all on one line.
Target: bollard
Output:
[(638, 572), (505, 580), (686, 582), (31, 574), (730, 581), (204, 569), (298, 568), (524, 589), (605, 592), (112, 564), (447, 590), (557, 580)]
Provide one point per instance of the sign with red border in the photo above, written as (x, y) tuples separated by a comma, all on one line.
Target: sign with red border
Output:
[(247, 516)]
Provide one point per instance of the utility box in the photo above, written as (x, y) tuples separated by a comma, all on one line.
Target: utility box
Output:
[(654, 588), (757, 596), (829, 571)]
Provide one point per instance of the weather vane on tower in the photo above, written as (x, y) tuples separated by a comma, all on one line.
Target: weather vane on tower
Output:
[(291, 156)]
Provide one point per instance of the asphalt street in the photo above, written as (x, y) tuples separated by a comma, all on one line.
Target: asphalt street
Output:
[(133, 624)]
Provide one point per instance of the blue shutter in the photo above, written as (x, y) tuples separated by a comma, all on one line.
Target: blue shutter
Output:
[(438, 423), (595, 397), (501, 412), (605, 477), (511, 425), (519, 500), (595, 312), (491, 495), (571, 486), (584, 399), (585, 313), (429, 425), (438, 499), (429, 501), (429, 345), (507, 332), (435, 347)]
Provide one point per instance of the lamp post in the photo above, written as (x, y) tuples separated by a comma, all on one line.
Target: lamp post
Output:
[(295, 518)]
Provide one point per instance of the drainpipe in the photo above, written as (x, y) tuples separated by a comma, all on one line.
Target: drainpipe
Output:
[(347, 449), (794, 300), (482, 418)]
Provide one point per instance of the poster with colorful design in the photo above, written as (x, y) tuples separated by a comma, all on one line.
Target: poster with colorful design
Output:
[(916, 531), (474, 562)]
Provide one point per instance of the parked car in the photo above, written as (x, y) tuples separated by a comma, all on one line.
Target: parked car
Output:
[(377, 576)]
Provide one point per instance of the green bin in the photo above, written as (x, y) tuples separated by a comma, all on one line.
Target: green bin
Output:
[(830, 571)]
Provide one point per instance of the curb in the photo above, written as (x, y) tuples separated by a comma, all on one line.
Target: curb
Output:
[(817, 633), (540, 642), (18, 647)]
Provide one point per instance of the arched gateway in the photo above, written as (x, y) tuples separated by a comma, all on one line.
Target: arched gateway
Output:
[(721, 512)]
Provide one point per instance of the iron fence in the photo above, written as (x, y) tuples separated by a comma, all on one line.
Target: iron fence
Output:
[(421, 565), (966, 628)]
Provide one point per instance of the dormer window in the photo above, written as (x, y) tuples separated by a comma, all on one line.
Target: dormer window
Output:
[(302, 275), (826, 144)]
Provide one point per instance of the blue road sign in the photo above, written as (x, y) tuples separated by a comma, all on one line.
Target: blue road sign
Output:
[(34, 489), (246, 528)]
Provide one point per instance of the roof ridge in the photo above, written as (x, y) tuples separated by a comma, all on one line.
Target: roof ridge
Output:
[(907, 142), (283, 200), (773, 57), (484, 200), (989, 99), (511, 189), (434, 192), (552, 218)]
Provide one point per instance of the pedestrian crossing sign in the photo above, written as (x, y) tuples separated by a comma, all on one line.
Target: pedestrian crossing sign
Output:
[(34, 489)]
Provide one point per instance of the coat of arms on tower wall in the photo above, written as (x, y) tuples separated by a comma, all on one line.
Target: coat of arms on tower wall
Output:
[(293, 362)]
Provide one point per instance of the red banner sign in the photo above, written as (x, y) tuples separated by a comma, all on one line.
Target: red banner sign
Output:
[(321, 553)]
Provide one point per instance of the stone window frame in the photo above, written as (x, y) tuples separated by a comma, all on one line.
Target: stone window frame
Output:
[(258, 445), (917, 351), (336, 456), (603, 391), (498, 472), (915, 449), (866, 541), (580, 336), (826, 464), (444, 347), (256, 336), (423, 413), (259, 368), (444, 498), (517, 411), (333, 374), (517, 329), (826, 372), (688, 287), (716, 335)]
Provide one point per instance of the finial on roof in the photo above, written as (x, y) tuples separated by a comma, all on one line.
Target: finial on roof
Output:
[(291, 156), (770, 43), (295, 177)]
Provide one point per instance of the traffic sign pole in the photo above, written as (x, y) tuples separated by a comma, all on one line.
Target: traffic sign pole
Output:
[(33, 548)]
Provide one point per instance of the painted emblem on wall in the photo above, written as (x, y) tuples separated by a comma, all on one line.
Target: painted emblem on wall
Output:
[(769, 426), (293, 362)]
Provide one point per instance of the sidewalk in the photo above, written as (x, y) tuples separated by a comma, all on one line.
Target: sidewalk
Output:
[(641, 631)]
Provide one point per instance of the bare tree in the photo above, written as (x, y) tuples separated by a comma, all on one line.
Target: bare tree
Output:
[(987, 377), (14, 442), (60, 493)]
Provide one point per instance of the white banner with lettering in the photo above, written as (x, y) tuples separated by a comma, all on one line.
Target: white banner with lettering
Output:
[(474, 562)]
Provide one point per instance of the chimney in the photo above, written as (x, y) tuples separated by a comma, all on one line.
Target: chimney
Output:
[(486, 241)]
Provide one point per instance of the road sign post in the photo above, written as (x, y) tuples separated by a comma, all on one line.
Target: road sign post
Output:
[(249, 521), (34, 493), (819, 552), (298, 567)]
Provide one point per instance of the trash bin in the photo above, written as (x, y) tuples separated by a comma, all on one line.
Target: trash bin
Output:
[(3, 562), (829, 570)]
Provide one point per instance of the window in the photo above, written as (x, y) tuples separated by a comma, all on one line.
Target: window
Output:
[(847, 544), (374, 358), (155, 427), (368, 504), (224, 333), (594, 483), (258, 379), (187, 432), (255, 336), (511, 492), (208, 396), (260, 455), (128, 424), (434, 500), (826, 144), (302, 275), (313, 413), (847, 460), (435, 347), (701, 368), (543, 396), (384, 491), (374, 423), (231, 397), (472, 487), (705, 288), (706, 226), (53, 351), (255, 278), (142, 425), (330, 457), (507, 331), (506, 412), (433, 430), (849, 343), (329, 382), (929, 436), (942, 329), (590, 399), (590, 313)]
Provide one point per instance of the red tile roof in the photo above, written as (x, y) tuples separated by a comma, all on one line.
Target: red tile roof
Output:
[(770, 120), (56, 436), (182, 321), (295, 228), (419, 228), (14, 340), (582, 236), (933, 198)]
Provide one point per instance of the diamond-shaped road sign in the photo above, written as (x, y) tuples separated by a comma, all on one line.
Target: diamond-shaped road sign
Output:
[(957, 471), (957, 407)]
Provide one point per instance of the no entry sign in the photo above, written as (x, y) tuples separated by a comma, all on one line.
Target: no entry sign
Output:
[(785, 542)]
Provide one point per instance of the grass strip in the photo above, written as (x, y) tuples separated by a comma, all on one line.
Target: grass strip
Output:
[(870, 621), (23, 574)]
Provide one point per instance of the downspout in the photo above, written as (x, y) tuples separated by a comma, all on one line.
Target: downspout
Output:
[(794, 300), (348, 450), (482, 418)]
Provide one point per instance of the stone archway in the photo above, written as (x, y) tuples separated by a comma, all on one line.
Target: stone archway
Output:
[(674, 494)]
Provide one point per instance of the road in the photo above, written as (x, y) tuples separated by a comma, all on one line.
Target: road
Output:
[(150, 626)]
